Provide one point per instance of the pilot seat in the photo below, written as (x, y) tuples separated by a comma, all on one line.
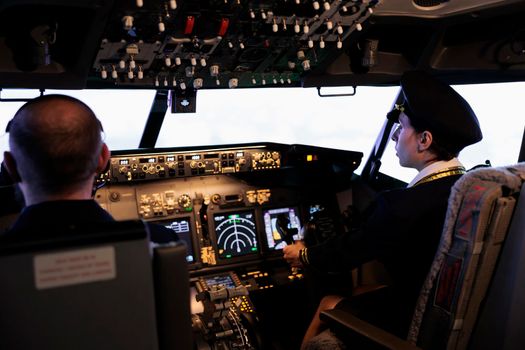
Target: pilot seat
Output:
[(473, 295), (93, 287)]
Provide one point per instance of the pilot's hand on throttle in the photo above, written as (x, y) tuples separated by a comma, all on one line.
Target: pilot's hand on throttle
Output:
[(291, 253)]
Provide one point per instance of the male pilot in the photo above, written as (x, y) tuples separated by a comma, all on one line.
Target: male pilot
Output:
[(56, 150), (402, 228)]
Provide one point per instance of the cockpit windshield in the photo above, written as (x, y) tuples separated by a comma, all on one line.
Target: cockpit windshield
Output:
[(294, 116)]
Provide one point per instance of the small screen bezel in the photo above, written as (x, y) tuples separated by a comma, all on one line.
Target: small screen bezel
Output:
[(191, 234), (249, 255), (266, 234)]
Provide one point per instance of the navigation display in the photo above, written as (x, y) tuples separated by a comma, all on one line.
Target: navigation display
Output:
[(236, 234), (182, 227), (275, 234)]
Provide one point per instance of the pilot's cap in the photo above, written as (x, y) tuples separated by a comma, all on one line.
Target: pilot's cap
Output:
[(434, 106)]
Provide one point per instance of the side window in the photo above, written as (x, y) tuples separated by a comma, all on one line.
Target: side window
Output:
[(7, 111), (123, 113)]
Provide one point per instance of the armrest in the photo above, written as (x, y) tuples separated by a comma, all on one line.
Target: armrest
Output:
[(355, 325)]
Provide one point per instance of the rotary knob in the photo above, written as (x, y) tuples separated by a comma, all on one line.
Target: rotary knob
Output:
[(185, 202), (216, 198), (114, 196)]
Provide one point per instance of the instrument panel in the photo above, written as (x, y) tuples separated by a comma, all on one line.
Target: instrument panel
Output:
[(236, 207), (232, 204), (220, 218)]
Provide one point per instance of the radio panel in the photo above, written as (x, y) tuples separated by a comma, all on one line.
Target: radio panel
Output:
[(253, 281)]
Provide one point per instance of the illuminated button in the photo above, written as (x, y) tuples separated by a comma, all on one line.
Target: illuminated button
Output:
[(180, 158), (231, 155)]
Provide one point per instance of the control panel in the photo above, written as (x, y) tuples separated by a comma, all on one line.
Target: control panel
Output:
[(223, 44), (159, 165), (235, 207), (230, 281), (237, 204), (221, 218), (223, 319)]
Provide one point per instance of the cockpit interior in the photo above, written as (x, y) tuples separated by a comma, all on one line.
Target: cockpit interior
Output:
[(235, 206)]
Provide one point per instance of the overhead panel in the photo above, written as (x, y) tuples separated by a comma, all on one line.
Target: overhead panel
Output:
[(223, 44)]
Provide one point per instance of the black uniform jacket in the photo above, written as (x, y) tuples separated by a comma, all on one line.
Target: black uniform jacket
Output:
[(75, 212), (402, 230)]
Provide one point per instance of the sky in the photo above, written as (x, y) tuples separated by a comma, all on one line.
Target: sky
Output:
[(295, 115)]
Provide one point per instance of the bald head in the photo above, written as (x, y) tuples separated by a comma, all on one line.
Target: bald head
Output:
[(56, 142)]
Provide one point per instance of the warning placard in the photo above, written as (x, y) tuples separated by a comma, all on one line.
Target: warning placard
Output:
[(74, 267)]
